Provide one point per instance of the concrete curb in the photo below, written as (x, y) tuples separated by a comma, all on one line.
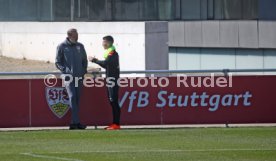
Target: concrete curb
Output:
[(144, 127)]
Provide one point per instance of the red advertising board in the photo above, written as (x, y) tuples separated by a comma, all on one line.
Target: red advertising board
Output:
[(249, 99)]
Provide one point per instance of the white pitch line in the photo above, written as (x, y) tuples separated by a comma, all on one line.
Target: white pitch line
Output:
[(161, 150), (48, 157)]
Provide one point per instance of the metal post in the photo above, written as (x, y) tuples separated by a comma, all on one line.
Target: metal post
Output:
[(72, 9), (224, 71), (51, 11)]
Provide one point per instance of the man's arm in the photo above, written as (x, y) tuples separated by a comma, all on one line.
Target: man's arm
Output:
[(84, 60), (60, 59), (102, 63)]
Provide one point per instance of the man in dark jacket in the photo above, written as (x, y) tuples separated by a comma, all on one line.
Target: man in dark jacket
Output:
[(71, 60), (112, 67)]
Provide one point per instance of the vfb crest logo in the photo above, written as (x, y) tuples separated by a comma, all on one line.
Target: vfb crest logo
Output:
[(58, 100)]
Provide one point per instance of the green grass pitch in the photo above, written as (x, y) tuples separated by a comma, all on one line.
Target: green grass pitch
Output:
[(187, 144)]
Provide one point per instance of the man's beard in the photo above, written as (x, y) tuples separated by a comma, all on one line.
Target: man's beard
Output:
[(73, 41)]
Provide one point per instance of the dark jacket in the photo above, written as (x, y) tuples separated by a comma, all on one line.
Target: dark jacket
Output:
[(111, 65), (71, 58)]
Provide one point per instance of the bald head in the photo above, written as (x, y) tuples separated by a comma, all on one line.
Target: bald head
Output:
[(71, 31)]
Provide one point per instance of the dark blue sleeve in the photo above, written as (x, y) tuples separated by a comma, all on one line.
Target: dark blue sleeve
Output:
[(60, 59)]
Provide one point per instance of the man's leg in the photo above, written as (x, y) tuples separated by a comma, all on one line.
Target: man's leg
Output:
[(116, 110), (113, 93), (78, 93), (72, 93), (74, 96)]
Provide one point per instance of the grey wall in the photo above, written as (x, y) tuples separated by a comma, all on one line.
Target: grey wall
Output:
[(141, 45), (223, 34), (219, 58), (267, 9), (156, 45)]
